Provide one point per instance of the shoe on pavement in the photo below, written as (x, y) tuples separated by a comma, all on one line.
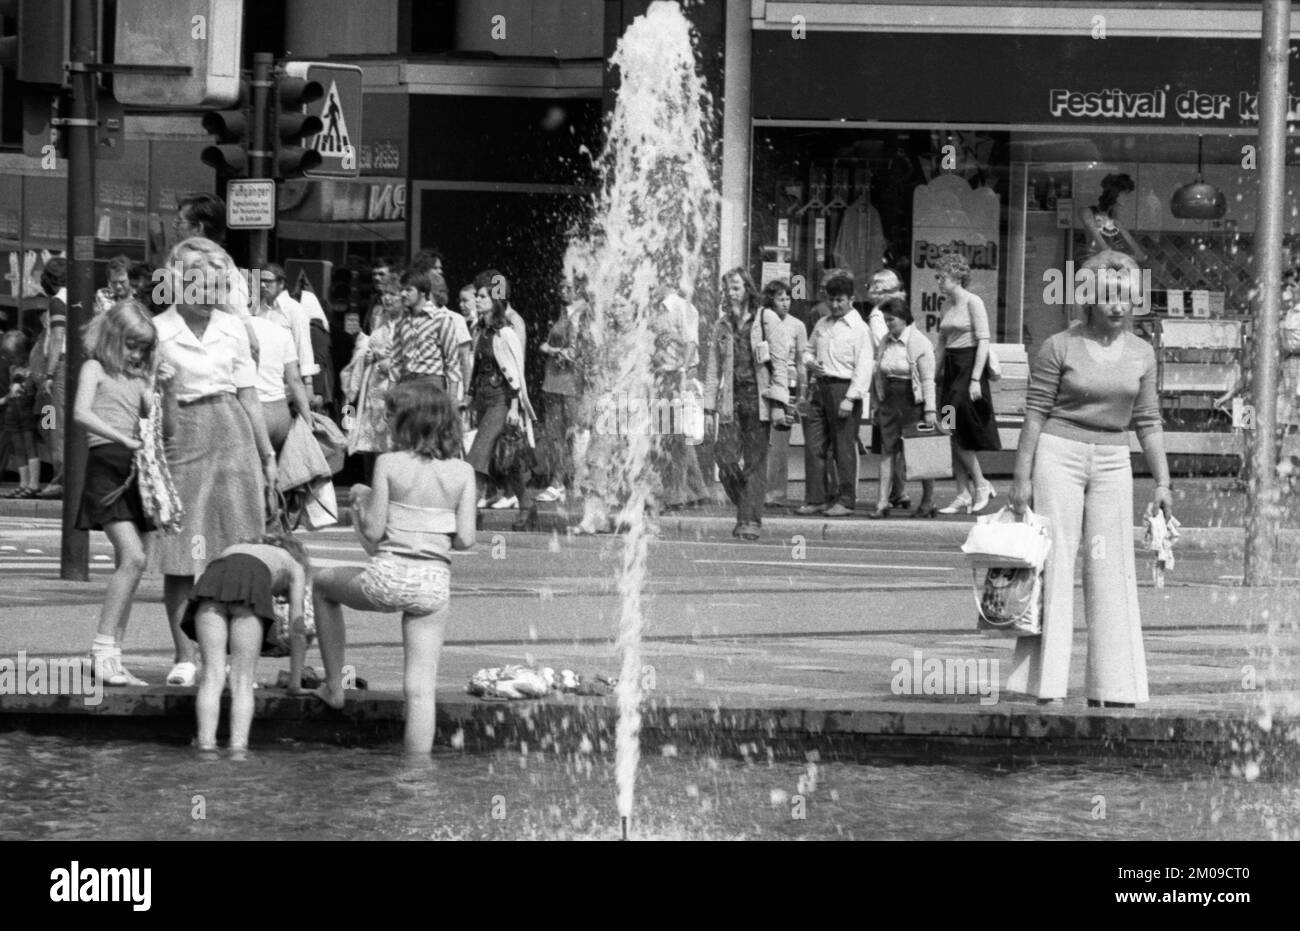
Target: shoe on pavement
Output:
[(960, 505), (838, 510), (902, 504), (502, 504), (982, 498), (183, 675), (553, 494), (50, 492), (808, 509), (482, 502)]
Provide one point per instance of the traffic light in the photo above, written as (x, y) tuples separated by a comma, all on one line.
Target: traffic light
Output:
[(233, 131), (290, 126)]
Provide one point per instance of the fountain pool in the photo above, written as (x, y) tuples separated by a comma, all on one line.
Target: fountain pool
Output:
[(57, 788)]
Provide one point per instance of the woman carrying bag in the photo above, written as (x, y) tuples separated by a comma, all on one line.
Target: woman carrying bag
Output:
[(499, 397), (904, 385), (1088, 385)]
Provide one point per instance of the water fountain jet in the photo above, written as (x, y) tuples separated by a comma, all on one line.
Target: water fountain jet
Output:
[(653, 216)]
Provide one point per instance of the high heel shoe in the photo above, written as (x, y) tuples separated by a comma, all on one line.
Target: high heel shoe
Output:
[(983, 496), (960, 505), (879, 513), (925, 510)]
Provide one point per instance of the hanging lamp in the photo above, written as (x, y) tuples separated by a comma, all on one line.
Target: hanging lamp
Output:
[(1198, 200)]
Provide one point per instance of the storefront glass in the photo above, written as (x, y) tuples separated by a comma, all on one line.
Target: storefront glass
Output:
[(1026, 209)]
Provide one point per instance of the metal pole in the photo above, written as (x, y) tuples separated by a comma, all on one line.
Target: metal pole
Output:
[(259, 156), (1263, 501), (74, 558)]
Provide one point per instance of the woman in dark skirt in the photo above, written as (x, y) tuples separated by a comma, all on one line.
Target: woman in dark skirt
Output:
[(114, 391), (904, 386), (498, 394), (962, 362), (231, 609)]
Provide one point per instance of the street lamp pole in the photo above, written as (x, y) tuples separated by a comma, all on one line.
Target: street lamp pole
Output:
[(1263, 497), (74, 557)]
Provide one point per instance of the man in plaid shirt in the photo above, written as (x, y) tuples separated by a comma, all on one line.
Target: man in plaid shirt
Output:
[(427, 339)]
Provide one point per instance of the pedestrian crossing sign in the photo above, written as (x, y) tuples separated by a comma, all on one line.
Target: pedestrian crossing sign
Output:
[(339, 110)]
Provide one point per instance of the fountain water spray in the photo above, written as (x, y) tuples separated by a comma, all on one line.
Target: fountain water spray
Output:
[(653, 216)]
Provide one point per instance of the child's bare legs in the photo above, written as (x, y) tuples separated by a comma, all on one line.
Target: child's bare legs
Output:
[(211, 623), (245, 645), (331, 589), (129, 548), (422, 641), (176, 596)]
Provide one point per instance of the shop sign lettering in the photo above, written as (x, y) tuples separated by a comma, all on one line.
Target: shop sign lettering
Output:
[(387, 202), (977, 255), (382, 155), (1118, 104)]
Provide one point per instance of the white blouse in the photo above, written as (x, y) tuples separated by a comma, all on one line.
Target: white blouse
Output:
[(275, 351), (221, 363)]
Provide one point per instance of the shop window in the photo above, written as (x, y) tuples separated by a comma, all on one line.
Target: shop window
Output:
[(867, 200)]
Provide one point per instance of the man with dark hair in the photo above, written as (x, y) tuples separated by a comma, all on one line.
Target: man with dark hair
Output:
[(427, 260), (428, 337), (119, 284), (201, 214), (839, 356), (277, 305)]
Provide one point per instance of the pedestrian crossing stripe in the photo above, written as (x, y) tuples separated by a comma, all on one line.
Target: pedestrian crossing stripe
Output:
[(334, 140)]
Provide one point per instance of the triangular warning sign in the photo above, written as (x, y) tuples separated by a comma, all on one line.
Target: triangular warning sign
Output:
[(334, 139)]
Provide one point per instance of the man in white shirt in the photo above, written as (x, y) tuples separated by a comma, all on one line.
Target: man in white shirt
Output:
[(279, 306), (839, 355)]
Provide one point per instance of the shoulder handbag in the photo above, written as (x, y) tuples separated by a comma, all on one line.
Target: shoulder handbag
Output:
[(158, 494)]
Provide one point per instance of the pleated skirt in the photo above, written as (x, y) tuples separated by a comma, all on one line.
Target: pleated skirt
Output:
[(218, 477)]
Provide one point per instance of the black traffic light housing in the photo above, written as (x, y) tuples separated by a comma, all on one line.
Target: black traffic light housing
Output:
[(290, 126), (233, 131)]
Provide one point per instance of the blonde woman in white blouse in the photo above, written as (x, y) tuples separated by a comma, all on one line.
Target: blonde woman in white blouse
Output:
[(219, 452)]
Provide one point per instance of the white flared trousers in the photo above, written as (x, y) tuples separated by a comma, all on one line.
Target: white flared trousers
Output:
[(1086, 491)]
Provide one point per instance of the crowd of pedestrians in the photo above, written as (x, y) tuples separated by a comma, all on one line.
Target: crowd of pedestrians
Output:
[(435, 403)]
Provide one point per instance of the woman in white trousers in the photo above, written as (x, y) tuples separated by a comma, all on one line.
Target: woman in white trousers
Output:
[(1088, 386)]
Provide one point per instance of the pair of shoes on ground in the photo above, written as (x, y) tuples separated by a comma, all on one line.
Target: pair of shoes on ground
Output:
[(502, 504), (109, 668), (23, 492), (835, 510), (965, 504), (749, 532), (554, 493)]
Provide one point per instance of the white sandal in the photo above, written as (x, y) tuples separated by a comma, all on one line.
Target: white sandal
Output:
[(183, 675)]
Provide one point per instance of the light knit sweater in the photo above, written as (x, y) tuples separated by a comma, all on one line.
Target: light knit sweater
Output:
[(1095, 394)]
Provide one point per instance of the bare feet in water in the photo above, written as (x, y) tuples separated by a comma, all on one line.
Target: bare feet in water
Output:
[(330, 696)]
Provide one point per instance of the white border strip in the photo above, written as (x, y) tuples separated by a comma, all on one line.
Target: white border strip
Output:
[(1155, 20)]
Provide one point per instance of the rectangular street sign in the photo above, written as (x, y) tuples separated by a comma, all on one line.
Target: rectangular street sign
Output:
[(250, 205), (339, 111)]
